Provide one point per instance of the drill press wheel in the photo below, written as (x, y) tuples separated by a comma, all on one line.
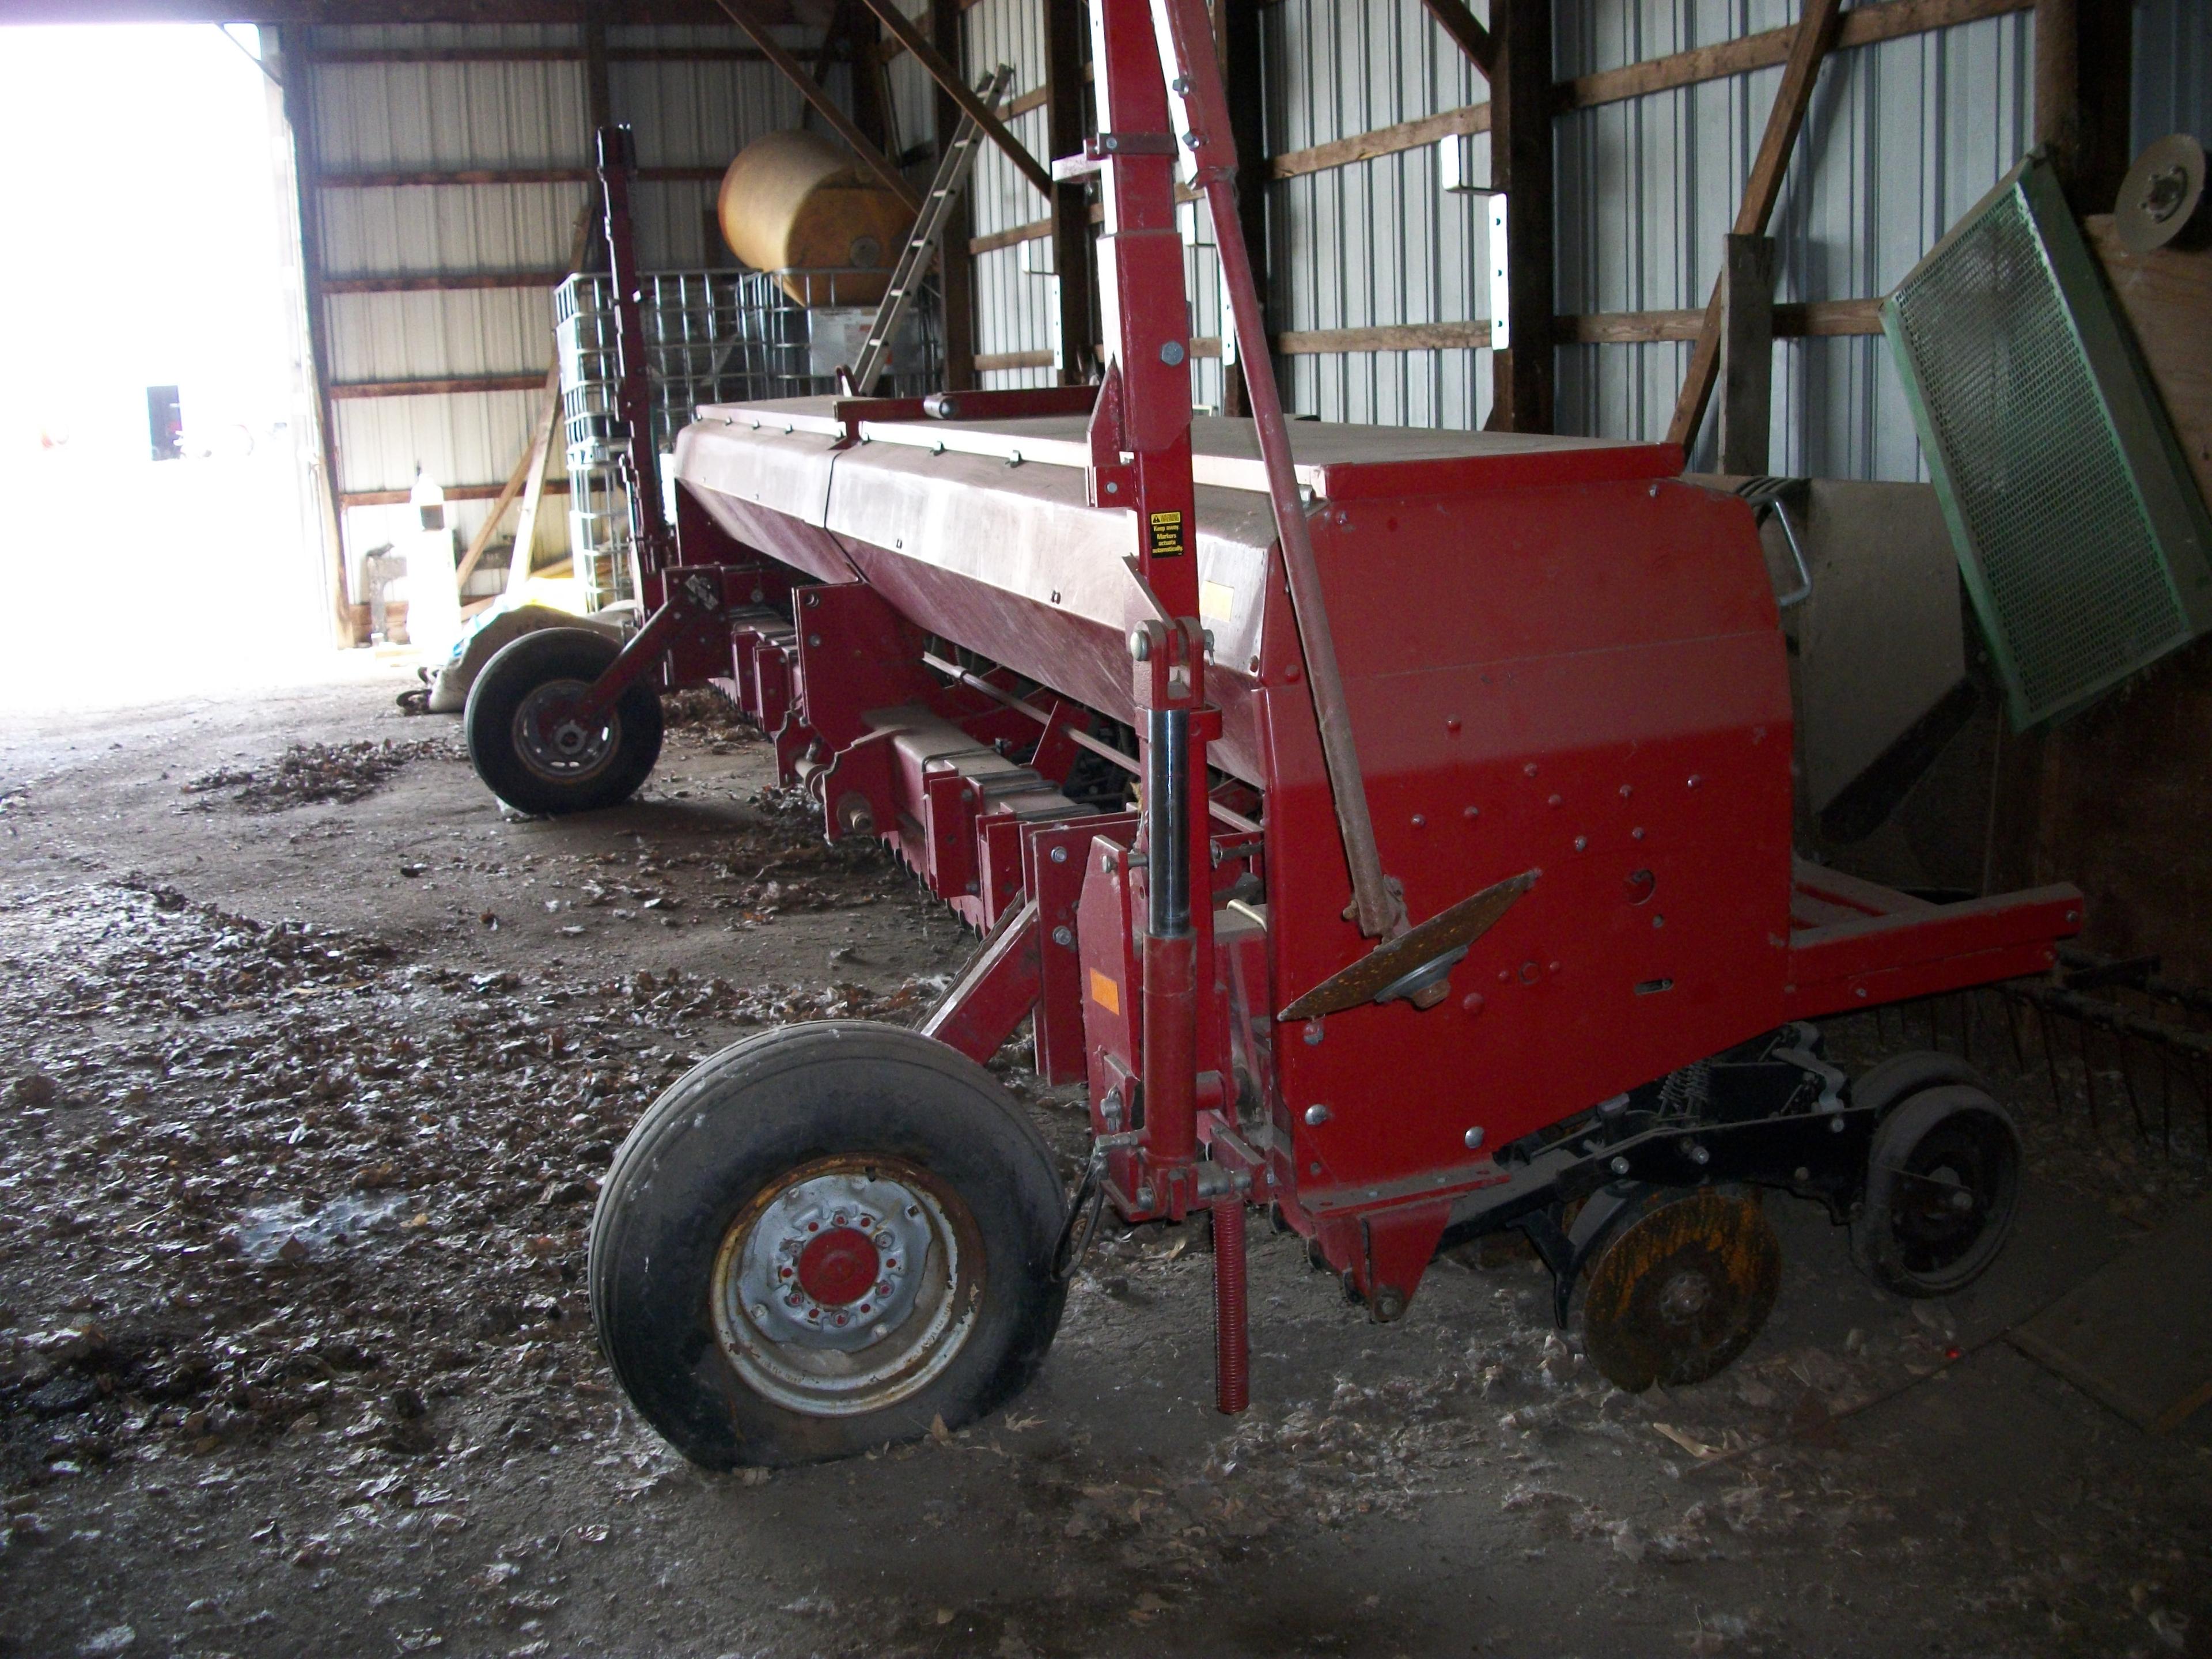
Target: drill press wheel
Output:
[(1680, 1289)]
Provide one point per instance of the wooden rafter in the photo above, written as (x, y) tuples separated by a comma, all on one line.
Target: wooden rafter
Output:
[(954, 86), (1466, 30), (810, 89)]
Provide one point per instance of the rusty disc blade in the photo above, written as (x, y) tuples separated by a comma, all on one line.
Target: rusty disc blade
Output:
[(1392, 960)]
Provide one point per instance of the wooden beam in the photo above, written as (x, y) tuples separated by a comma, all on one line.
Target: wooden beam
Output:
[(1064, 34), (451, 386), (1814, 319), (344, 13), (1862, 26), (1815, 29), (1523, 375), (1243, 80), (1037, 230), (1395, 336), (488, 492), (954, 86), (1746, 369), (956, 264), (533, 489), (1466, 30), (1383, 141), (405, 178), (2084, 71), (985, 361), (395, 55), (810, 90), (442, 281), (299, 118), (599, 96)]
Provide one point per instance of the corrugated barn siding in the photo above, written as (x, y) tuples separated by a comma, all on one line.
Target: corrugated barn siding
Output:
[(1013, 305), (2174, 70), (451, 116), (1377, 242), (1900, 139)]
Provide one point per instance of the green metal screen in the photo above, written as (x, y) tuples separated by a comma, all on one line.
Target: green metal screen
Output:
[(2082, 537)]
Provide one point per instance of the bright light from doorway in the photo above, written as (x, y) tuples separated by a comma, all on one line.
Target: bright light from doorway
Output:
[(150, 245)]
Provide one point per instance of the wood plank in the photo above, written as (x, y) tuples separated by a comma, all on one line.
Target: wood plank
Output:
[(1524, 374), (1395, 336), (1466, 32), (1747, 365), (1816, 28), (1383, 141), (2136, 1334), (985, 361), (826, 107), (1816, 318), (409, 178), (1037, 230), (951, 83), (2167, 296), (533, 489), (1072, 263), (956, 266), (1862, 26), (343, 55), (486, 492), (442, 281), (452, 387)]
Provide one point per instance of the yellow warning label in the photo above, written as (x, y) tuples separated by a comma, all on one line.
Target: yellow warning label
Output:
[(1167, 534), (1105, 993)]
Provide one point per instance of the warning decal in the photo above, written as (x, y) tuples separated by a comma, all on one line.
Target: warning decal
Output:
[(1167, 534)]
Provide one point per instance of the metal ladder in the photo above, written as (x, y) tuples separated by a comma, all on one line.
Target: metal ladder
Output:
[(944, 190)]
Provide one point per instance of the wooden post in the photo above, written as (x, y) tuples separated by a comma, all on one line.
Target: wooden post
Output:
[(1521, 164), (598, 96), (1816, 30), (1747, 365), (956, 264), (299, 117), (1063, 38), (1244, 52), (2084, 69)]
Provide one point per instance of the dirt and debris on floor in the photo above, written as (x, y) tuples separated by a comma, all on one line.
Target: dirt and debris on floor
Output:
[(302, 1108)]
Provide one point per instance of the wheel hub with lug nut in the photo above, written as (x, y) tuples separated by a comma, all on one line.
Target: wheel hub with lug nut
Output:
[(552, 742), (847, 1287)]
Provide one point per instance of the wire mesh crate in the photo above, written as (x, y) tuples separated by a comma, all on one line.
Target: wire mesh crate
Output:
[(711, 337)]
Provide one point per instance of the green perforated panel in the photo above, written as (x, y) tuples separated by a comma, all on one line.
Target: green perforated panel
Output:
[(2081, 533)]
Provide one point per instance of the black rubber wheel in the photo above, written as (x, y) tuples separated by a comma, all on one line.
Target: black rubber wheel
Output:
[(1682, 1283), (822, 1239), (1887, 1083), (1942, 1190), (531, 759)]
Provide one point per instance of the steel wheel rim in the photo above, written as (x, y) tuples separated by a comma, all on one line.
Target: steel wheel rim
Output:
[(562, 750), (788, 1297), (1949, 1193)]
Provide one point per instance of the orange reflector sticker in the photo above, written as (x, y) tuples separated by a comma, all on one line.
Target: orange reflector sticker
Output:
[(1105, 993)]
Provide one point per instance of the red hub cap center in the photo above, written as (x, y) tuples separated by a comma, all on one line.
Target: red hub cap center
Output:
[(839, 1267)]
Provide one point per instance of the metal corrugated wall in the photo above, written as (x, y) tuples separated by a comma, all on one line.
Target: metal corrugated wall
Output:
[(392, 116), (1377, 242), (1902, 136), (2174, 70)]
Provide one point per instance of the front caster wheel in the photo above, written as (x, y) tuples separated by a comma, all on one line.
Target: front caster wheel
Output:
[(527, 750), (823, 1239), (1942, 1188), (1681, 1286)]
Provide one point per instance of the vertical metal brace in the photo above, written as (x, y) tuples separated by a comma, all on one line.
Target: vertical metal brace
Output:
[(1187, 55)]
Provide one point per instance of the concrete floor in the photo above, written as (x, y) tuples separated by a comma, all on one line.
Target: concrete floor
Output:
[(300, 1109)]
